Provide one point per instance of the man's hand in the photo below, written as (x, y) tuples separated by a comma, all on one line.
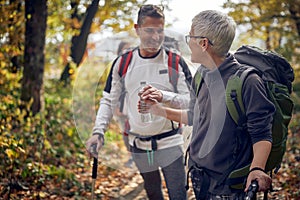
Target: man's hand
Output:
[(94, 144), (263, 179), (152, 93), (149, 100)]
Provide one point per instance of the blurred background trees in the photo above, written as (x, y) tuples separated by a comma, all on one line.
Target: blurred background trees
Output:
[(68, 26), (110, 11), (272, 24)]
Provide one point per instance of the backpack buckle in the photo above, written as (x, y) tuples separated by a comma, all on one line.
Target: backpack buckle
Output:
[(233, 95)]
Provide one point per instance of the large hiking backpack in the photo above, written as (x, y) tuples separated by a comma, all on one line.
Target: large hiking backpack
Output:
[(173, 62), (278, 76)]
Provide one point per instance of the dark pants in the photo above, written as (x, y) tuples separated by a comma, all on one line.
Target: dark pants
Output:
[(170, 161), (201, 184)]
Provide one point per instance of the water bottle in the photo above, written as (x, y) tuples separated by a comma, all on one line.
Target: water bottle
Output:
[(146, 116)]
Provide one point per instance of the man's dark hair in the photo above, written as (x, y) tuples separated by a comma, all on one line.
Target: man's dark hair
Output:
[(150, 10)]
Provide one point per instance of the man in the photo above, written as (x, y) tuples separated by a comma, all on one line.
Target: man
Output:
[(214, 147), (156, 144)]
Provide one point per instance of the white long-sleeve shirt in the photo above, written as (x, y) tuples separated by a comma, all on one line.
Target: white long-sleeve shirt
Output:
[(153, 71)]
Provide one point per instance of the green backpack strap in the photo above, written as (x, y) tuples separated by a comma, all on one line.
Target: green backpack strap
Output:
[(197, 82), (233, 93), (235, 106)]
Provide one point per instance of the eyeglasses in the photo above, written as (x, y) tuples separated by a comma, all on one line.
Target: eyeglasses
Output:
[(188, 38)]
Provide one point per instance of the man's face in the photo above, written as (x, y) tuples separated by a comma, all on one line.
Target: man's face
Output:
[(151, 33)]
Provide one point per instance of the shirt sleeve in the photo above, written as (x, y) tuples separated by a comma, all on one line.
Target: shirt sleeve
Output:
[(104, 114), (109, 101), (259, 109)]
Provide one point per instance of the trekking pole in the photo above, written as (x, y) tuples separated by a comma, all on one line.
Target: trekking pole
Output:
[(252, 190), (95, 167)]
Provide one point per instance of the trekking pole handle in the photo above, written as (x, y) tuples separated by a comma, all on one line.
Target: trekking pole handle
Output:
[(252, 190), (95, 161)]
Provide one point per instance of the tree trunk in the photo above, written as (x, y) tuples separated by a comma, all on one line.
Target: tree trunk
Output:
[(36, 23), (79, 42), (294, 10)]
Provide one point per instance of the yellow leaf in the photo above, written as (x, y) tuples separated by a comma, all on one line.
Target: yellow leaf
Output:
[(10, 153), (21, 141), (21, 150), (17, 111), (47, 144), (42, 194), (70, 132)]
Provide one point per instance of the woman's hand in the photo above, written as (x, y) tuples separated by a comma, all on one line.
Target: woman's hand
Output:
[(150, 92)]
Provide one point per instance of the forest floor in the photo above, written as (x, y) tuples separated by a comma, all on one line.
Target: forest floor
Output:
[(116, 181), (126, 183)]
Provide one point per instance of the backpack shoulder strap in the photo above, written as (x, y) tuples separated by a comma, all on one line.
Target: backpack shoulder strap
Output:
[(235, 106), (197, 81), (123, 66), (233, 93), (124, 63), (173, 62)]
